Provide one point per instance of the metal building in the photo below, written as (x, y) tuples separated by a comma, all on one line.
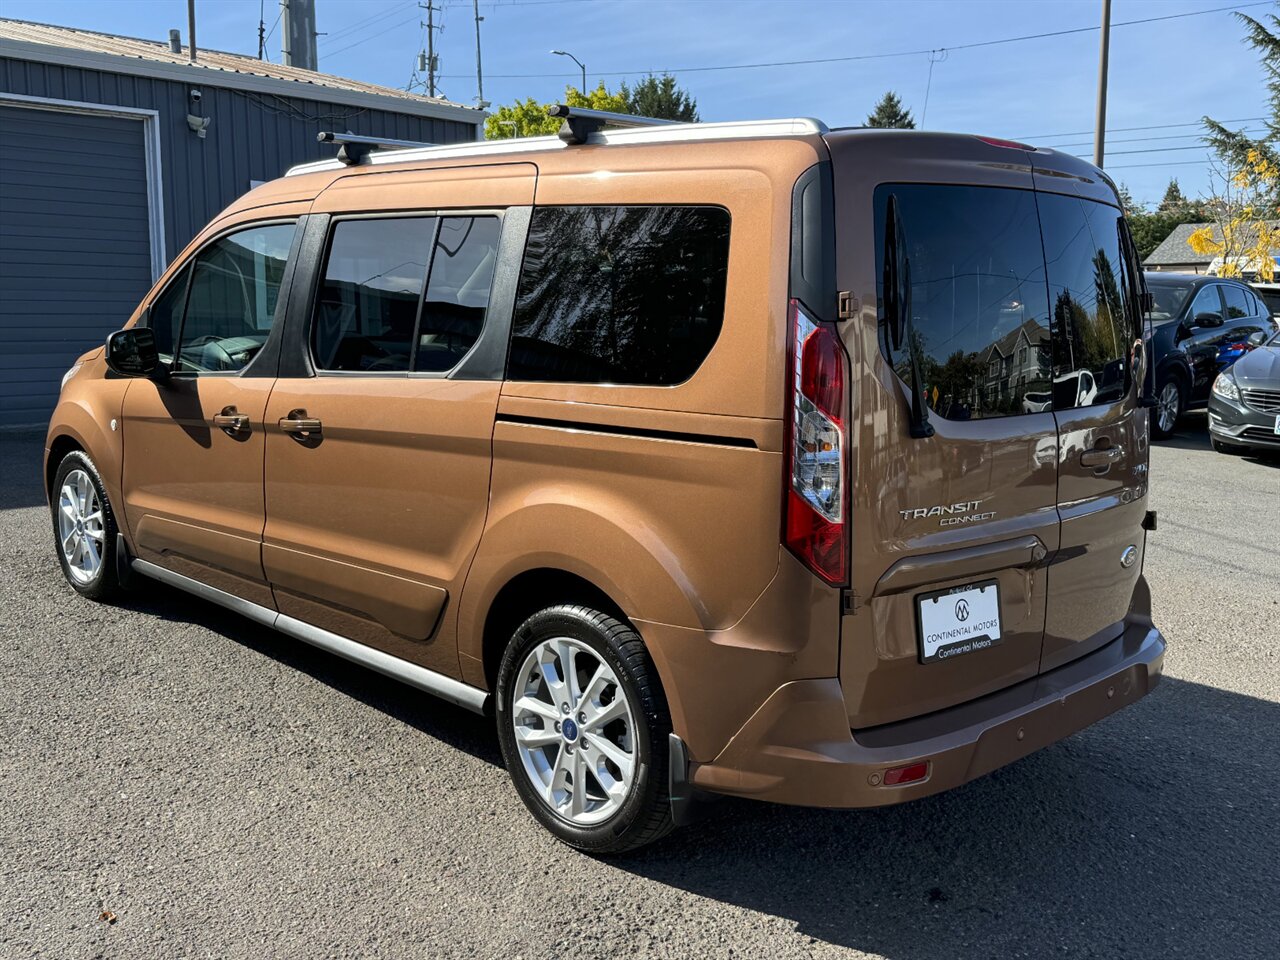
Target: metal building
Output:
[(115, 151)]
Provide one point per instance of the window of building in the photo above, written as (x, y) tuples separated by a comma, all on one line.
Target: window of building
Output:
[(221, 309), (630, 295)]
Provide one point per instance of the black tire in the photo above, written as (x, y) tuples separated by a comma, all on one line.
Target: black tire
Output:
[(645, 815), (1169, 381), (105, 583)]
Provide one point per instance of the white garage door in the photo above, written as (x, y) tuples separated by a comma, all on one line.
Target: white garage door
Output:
[(75, 245)]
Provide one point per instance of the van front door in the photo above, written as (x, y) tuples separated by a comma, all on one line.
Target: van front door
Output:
[(1102, 433), (193, 441), (380, 428)]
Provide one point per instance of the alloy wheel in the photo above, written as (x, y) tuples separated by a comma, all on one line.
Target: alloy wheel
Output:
[(1170, 398), (574, 730), (81, 528)]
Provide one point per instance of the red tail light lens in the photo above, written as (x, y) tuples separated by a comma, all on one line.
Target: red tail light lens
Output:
[(909, 774), (816, 511), (1009, 144)]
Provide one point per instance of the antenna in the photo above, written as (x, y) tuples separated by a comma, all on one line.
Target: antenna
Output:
[(262, 29)]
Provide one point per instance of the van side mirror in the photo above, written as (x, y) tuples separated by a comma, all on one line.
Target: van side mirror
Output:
[(132, 352), (1257, 339), (1208, 320)]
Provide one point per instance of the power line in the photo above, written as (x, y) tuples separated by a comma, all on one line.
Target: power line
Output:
[(364, 22), (1154, 126), (884, 56), (1175, 136), (372, 36)]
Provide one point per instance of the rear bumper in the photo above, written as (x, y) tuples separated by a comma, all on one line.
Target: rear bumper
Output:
[(798, 747)]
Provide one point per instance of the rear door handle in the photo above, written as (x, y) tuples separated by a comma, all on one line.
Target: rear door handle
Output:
[(1101, 458), (231, 421), (298, 422)]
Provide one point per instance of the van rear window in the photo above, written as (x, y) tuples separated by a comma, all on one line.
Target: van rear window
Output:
[(628, 295), (987, 340)]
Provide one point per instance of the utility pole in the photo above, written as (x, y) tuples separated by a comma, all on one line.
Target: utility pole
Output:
[(430, 65), (480, 100), (1100, 127)]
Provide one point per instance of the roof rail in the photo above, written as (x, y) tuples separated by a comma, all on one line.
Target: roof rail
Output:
[(580, 123), (508, 146), (355, 148)]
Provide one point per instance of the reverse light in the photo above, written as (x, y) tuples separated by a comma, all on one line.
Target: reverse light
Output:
[(1225, 387), (815, 515)]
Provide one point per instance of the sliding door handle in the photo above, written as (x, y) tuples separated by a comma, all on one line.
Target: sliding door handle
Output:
[(297, 422), (1101, 458), (231, 421)]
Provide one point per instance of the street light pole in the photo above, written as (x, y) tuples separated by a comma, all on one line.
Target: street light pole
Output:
[(582, 66), (1100, 128)]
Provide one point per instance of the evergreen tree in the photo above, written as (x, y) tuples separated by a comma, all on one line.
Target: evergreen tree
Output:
[(660, 97), (1233, 146), (1174, 200), (889, 112)]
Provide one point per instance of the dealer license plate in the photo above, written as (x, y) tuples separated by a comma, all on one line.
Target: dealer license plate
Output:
[(957, 621)]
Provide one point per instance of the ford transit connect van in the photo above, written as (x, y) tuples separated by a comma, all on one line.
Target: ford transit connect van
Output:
[(712, 458)]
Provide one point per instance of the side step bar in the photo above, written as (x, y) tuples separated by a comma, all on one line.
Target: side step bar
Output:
[(436, 684)]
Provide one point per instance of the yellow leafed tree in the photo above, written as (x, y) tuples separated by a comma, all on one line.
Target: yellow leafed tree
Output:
[(1244, 231)]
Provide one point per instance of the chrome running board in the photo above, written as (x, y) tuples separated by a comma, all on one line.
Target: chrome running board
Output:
[(436, 684)]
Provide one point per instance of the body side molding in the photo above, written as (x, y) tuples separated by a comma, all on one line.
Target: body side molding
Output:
[(436, 684)]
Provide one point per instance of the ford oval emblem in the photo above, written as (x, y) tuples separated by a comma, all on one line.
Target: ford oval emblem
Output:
[(1129, 557)]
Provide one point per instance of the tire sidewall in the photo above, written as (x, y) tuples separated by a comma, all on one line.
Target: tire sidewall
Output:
[(1156, 431), (104, 583), (579, 624)]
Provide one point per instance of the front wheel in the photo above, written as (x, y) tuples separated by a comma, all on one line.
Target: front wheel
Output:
[(583, 725), (1170, 403), (84, 528)]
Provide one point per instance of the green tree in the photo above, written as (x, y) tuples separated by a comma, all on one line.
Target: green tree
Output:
[(660, 97), (1233, 146), (889, 112), (1129, 205), (1174, 199), (528, 118)]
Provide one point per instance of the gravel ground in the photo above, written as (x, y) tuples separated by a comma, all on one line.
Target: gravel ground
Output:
[(226, 792)]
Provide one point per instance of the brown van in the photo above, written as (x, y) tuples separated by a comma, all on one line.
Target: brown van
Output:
[(750, 458)]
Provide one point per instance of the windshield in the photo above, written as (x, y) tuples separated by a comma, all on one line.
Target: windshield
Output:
[(1168, 298)]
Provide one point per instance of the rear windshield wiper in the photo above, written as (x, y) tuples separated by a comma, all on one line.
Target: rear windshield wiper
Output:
[(896, 282)]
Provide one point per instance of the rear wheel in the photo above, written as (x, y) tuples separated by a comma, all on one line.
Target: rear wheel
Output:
[(583, 726), (84, 528), (1170, 403)]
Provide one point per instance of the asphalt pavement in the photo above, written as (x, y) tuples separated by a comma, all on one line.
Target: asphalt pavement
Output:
[(213, 789)]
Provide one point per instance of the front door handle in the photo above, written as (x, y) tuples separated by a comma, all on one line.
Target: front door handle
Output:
[(231, 421), (299, 423), (1101, 458)]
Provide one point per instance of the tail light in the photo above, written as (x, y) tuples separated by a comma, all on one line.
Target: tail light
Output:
[(816, 511)]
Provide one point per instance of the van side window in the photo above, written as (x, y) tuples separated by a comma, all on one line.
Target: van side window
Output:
[(629, 295), (458, 292), (979, 312), (1092, 329), (230, 304), (367, 306)]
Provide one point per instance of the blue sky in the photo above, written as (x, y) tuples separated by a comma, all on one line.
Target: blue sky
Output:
[(1164, 75)]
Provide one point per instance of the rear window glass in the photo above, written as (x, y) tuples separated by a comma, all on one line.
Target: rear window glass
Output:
[(979, 310), (1092, 327), (629, 295), (1238, 301)]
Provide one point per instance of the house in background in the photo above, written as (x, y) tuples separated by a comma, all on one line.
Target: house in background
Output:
[(1176, 255), (115, 152)]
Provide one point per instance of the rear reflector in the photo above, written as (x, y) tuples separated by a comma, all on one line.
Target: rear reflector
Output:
[(909, 774)]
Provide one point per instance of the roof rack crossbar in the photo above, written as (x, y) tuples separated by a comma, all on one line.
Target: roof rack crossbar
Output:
[(580, 123), (354, 148)]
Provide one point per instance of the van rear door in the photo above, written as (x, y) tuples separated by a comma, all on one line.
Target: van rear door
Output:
[(972, 507), (1102, 433)]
